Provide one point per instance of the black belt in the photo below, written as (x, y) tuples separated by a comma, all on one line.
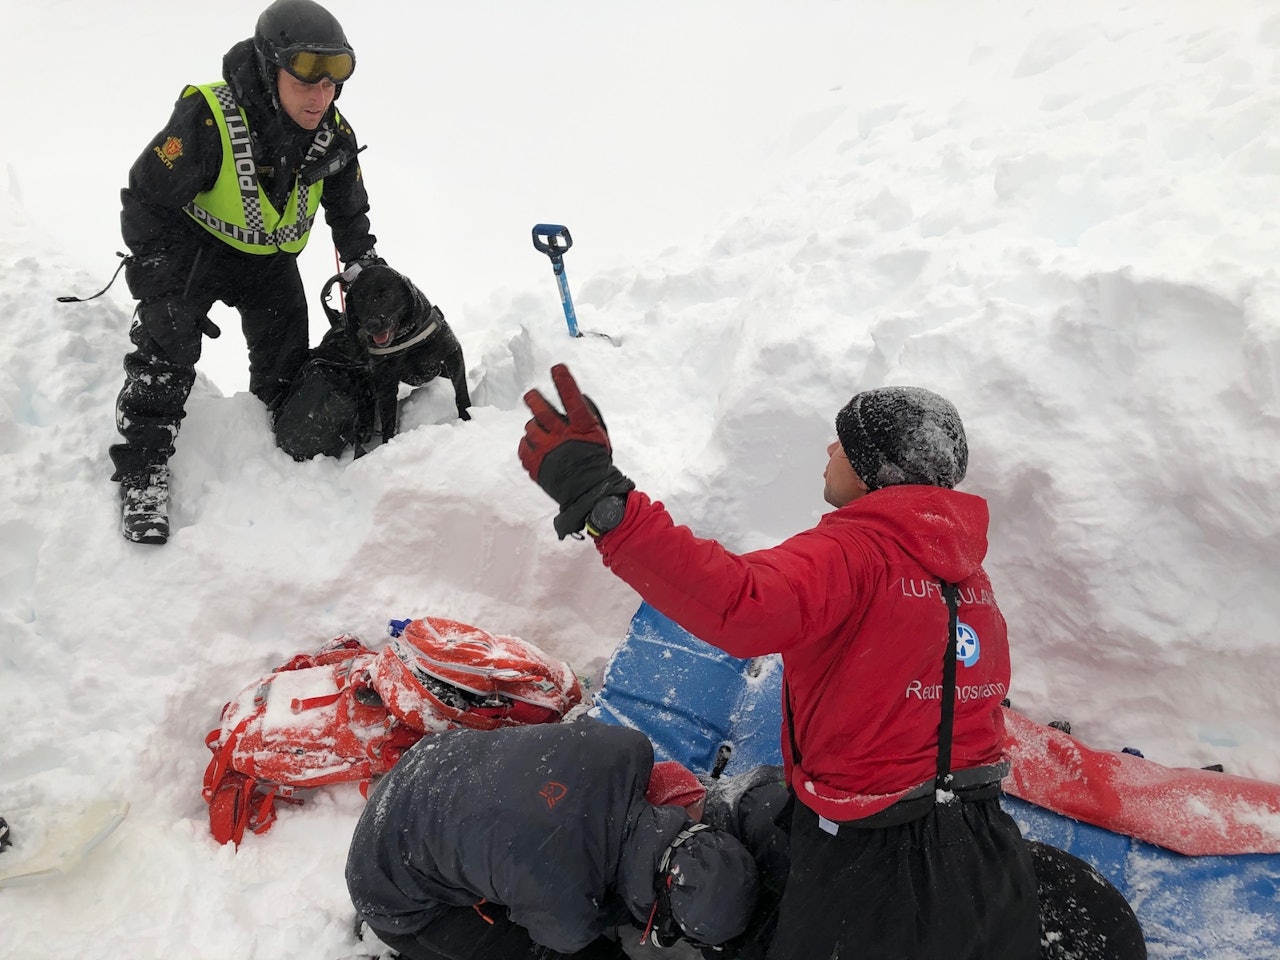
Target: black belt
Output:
[(963, 781), (969, 786)]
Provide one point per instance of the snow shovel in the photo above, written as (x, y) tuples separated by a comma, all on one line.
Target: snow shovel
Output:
[(554, 240)]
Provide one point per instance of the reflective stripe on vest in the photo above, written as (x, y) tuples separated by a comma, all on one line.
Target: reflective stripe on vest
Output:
[(237, 210)]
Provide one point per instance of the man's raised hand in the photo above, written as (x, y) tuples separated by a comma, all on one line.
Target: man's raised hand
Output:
[(569, 454)]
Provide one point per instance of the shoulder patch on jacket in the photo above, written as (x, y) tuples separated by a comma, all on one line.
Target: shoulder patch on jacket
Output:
[(169, 151)]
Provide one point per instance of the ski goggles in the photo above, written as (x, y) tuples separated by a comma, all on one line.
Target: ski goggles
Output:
[(311, 65)]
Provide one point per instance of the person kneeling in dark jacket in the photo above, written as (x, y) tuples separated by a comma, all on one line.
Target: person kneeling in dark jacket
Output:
[(389, 334), (538, 841)]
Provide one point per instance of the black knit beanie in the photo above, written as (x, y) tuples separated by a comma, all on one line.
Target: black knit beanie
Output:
[(896, 435)]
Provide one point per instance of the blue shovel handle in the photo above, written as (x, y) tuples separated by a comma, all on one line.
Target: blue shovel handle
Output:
[(553, 240)]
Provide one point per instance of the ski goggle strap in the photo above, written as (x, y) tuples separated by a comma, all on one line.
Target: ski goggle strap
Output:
[(311, 65)]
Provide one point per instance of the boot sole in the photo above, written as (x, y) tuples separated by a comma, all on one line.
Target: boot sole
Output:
[(150, 534)]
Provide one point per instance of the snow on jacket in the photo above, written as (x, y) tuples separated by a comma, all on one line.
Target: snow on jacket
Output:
[(549, 821), (185, 158), (855, 607)]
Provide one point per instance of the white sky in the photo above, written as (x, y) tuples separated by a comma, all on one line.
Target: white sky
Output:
[(1062, 220)]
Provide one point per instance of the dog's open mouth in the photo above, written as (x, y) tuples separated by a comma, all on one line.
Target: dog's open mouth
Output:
[(382, 337)]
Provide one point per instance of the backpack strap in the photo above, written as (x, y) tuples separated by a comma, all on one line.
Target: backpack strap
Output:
[(237, 802), (262, 808), (218, 767), (227, 791)]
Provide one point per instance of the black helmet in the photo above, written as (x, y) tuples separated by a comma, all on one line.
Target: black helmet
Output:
[(305, 39), (707, 888)]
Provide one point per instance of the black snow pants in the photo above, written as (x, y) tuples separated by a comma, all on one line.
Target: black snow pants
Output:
[(956, 883), (267, 292), (464, 933)]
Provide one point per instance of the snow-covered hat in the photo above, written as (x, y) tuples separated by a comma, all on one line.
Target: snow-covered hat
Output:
[(896, 435)]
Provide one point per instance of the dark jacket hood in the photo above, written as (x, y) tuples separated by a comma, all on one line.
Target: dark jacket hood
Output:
[(943, 530), (241, 70)]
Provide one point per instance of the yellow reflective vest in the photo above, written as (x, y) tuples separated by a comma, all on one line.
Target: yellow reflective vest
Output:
[(237, 210)]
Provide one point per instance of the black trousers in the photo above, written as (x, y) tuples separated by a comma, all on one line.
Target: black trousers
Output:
[(267, 292), (462, 933), (957, 883)]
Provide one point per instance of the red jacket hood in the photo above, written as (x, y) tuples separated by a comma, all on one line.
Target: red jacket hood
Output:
[(943, 530)]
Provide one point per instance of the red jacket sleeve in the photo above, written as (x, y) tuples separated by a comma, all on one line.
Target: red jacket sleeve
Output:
[(766, 601)]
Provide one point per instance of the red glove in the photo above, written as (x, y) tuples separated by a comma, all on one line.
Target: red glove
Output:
[(568, 454)]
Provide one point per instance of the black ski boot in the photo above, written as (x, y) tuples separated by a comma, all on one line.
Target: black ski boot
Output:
[(144, 506)]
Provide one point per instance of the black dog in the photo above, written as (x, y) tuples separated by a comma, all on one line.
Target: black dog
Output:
[(390, 334), (406, 338)]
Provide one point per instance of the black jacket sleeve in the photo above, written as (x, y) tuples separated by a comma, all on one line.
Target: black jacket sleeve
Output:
[(182, 160), (345, 201)]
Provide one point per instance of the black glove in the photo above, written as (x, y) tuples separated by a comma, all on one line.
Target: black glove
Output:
[(568, 454), (369, 258), (176, 325)]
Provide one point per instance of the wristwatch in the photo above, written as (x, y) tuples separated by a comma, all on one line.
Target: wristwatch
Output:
[(606, 514)]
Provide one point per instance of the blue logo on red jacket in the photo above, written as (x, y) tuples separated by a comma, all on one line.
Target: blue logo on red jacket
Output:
[(968, 649)]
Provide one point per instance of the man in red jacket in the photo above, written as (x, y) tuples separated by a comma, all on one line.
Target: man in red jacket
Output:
[(895, 662)]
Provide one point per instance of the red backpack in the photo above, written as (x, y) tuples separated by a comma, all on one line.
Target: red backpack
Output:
[(346, 713)]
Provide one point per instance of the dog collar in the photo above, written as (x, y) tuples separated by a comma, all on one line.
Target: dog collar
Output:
[(431, 328)]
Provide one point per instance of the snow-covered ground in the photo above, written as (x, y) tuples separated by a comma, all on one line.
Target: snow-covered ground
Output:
[(1062, 219)]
